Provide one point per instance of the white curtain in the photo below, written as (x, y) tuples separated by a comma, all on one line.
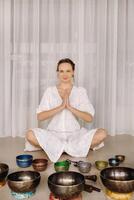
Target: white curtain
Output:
[(96, 34)]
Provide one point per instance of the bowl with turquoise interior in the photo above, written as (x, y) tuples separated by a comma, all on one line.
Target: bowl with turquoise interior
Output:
[(113, 162)]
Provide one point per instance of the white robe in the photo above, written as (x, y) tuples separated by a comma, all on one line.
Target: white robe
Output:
[(64, 133)]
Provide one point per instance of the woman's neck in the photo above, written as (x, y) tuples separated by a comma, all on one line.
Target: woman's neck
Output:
[(65, 85)]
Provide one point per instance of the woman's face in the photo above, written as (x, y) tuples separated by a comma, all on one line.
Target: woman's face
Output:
[(65, 73)]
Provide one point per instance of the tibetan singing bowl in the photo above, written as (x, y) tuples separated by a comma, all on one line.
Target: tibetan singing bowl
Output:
[(24, 160), (40, 164), (118, 179), (3, 171), (101, 164), (23, 181), (62, 166), (121, 158), (113, 162), (84, 167), (68, 184)]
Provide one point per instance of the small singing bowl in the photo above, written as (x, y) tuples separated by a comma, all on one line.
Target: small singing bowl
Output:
[(84, 167), (61, 166), (24, 160), (113, 162), (101, 164), (23, 181), (120, 157), (40, 164), (3, 171)]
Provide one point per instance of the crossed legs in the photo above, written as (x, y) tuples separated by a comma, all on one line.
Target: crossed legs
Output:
[(30, 136), (98, 137)]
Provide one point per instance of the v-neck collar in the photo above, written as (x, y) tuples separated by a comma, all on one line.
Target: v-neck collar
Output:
[(59, 93)]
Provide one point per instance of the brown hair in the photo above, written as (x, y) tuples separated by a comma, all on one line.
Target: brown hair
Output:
[(66, 60)]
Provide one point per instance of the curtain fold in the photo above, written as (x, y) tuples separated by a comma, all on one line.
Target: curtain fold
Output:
[(5, 69), (96, 35)]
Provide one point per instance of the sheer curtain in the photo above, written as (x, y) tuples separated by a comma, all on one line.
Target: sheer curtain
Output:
[(96, 35)]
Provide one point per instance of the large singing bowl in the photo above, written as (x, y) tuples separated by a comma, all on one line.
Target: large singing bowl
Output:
[(118, 179), (23, 181), (3, 171), (68, 184)]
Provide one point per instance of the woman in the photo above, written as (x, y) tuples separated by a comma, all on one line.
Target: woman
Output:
[(63, 104)]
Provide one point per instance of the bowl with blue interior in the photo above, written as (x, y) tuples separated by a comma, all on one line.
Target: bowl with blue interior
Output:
[(113, 162), (24, 160)]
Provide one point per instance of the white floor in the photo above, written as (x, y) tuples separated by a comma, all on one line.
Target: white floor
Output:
[(9, 148)]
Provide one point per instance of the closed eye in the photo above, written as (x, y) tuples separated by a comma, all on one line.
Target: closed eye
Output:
[(61, 71)]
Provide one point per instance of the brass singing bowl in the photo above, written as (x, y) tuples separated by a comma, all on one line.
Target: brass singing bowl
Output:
[(40, 164), (120, 157), (118, 179), (3, 171), (23, 181), (84, 167), (101, 164), (69, 184)]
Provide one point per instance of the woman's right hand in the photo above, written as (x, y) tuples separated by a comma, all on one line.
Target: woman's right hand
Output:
[(64, 94), (65, 98), (50, 113)]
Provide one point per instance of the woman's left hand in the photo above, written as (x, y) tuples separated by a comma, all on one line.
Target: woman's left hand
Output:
[(67, 100)]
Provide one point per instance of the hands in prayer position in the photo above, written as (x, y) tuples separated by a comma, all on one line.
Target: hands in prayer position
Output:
[(65, 97)]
